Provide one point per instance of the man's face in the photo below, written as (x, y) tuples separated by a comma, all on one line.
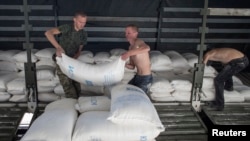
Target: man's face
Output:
[(79, 22), (130, 33)]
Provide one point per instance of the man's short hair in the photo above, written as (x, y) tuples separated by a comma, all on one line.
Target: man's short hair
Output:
[(80, 13), (134, 27)]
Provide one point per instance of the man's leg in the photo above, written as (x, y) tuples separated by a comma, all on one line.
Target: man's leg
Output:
[(67, 84), (144, 82), (219, 82), (77, 86), (229, 84), (132, 81)]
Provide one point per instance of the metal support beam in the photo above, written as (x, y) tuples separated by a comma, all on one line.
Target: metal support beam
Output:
[(159, 28), (199, 67), (228, 12), (30, 68)]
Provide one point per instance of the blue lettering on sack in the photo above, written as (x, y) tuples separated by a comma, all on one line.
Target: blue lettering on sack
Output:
[(94, 138), (89, 83), (143, 138), (108, 79), (71, 71), (133, 89), (93, 100)]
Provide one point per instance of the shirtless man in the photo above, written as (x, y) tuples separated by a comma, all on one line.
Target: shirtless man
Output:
[(138, 55), (234, 61)]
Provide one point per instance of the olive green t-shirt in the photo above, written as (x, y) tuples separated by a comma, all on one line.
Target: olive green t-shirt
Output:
[(70, 39)]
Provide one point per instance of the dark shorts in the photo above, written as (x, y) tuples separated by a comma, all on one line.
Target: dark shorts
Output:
[(142, 81)]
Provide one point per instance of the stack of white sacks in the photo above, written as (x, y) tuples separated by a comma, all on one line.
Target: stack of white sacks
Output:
[(128, 116), (8, 72), (172, 73)]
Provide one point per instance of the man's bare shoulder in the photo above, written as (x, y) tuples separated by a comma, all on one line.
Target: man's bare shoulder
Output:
[(225, 49)]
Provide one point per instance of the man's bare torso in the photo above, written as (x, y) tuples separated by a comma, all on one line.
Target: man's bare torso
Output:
[(141, 62), (223, 55)]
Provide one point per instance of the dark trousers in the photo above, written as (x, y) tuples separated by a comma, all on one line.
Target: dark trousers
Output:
[(71, 88), (224, 78), (142, 81)]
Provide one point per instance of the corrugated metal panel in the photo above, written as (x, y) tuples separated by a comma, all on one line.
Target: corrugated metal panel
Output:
[(233, 114), (181, 123)]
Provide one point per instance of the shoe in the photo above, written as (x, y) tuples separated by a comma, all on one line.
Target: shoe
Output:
[(229, 89), (216, 106)]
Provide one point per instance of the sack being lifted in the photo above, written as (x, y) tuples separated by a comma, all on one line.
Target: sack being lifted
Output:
[(92, 74)]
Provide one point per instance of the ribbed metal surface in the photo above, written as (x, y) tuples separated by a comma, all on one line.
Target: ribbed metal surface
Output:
[(9, 121), (181, 123), (233, 114)]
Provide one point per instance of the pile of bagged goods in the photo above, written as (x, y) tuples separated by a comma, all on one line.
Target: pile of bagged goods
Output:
[(128, 116), (172, 75), (116, 110)]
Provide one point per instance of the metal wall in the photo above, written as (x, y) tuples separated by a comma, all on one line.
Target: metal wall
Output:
[(179, 22)]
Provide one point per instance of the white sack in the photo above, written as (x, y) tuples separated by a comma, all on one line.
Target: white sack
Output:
[(191, 58), (160, 85), (62, 104), (8, 66), (101, 57), (16, 86), (4, 96), (229, 96), (208, 94), (8, 55), (159, 61), (179, 63), (45, 64), (22, 56), (46, 83), (162, 97), (93, 126), (209, 70), (59, 90), (93, 103), (117, 51), (45, 53), (233, 96), (18, 98), (86, 57), (94, 75), (5, 79), (208, 82), (181, 85), (55, 124), (48, 97), (129, 104), (41, 74), (92, 89), (182, 96), (41, 89), (246, 94)]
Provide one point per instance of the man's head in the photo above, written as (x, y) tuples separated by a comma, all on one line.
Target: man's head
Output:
[(131, 32), (80, 20)]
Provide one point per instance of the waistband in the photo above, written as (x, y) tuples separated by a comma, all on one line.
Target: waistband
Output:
[(244, 58)]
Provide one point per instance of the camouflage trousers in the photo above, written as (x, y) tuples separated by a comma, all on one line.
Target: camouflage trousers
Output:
[(71, 88)]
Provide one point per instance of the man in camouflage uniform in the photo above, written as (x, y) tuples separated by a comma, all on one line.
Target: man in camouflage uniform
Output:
[(72, 39)]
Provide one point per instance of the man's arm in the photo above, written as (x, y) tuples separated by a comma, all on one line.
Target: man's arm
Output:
[(79, 52), (130, 65), (141, 47), (50, 35)]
